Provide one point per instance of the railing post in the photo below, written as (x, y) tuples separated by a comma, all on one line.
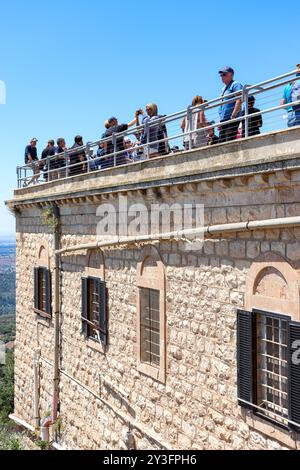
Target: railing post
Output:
[(189, 117), (245, 99), (48, 168), (114, 142), (88, 156), (147, 130), (18, 177), (67, 161)]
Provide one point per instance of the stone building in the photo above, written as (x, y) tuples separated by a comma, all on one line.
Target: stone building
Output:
[(145, 344)]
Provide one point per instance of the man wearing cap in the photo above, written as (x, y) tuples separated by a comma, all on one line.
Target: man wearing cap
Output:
[(231, 110), (291, 94), (31, 159)]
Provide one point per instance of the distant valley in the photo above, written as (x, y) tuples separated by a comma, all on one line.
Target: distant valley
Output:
[(7, 290)]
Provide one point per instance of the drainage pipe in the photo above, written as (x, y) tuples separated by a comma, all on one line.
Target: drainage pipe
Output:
[(285, 222), (56, 304), (36, 386)]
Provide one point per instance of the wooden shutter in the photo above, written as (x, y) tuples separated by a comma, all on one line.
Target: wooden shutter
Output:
[(84, 313), (294, 375), (246, 357), (47, 278), (102, 311), (36, 288)]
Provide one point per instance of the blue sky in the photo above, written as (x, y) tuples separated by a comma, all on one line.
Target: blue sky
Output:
[(69, 65)]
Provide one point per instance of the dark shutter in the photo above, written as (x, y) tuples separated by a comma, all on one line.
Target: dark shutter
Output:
[(84, 313), (102, 311), (47, 278), (246, 357), (36, 288), (294, 373)]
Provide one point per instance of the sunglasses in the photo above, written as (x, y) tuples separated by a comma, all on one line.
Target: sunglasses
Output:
[(224, 74)]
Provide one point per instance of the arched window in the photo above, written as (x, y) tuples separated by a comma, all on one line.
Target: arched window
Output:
[(151, 315), (268, 342)]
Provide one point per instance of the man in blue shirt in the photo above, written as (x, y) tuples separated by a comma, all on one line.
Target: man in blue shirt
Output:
[(231, 110), (291, 94)]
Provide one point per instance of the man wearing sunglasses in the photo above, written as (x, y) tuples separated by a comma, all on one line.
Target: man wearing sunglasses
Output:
[(231, 107)]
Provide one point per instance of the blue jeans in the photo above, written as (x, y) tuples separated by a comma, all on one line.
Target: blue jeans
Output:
[(294, 119)]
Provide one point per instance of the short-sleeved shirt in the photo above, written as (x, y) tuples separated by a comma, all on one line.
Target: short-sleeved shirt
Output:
[(120, 140), (287, 94), (226, 110), (32, 151), (48, 152)]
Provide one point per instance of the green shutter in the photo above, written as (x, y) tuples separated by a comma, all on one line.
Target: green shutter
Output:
[(84, 312), (47, 277), (102, 312), (36, 288), (294, 375), (246, 358)]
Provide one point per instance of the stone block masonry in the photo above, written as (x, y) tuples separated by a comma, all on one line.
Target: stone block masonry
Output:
[(103, 393)]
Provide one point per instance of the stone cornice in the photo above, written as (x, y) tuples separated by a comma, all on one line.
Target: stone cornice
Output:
[(270, 160)]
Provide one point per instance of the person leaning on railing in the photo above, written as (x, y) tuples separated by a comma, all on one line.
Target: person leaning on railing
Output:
[(76, 157), (291, 94), (116, 128), (153, 132), (31, 159), (59, 162), (201, 137), (228, 111), (255, 122), (47, 153)]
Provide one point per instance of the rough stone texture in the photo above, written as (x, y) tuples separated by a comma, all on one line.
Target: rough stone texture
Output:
[(101, 394)]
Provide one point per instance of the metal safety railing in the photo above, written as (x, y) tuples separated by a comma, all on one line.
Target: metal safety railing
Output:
[(165, 135)]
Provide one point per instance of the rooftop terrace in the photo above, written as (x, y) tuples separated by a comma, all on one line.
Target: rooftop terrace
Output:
[(184, 158)]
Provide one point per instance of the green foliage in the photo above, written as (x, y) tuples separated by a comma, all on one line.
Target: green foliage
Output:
[(43, 445), (48, 219), (7, 293), (7, 387), (8, 440), (7, 328)]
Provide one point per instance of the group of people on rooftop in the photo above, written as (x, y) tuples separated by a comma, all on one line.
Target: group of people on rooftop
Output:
[(115, 149)]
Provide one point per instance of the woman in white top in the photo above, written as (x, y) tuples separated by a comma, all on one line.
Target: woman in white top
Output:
[(199, 138)]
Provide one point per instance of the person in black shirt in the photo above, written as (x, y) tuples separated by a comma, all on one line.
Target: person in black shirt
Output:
[(31, 159), (255, 122), (49, 151), (76, 157), (116, 128)]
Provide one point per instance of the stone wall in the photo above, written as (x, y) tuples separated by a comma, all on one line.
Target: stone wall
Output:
[(103, 394)]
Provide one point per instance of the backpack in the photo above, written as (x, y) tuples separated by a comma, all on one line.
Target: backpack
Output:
[(295, 95)]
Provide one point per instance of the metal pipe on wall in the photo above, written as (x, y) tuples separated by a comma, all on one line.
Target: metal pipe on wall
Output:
[(56, 313), (177, 235)]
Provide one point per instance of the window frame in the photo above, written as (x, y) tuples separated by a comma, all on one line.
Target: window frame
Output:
[(100, 284), (249, 356), (260, 412), (152, 278), (45, 274)]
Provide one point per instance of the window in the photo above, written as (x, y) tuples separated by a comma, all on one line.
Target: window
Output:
[(151, 315), (150, 327), (268, 347), (42, 292), (94, 322), (272, 365)]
